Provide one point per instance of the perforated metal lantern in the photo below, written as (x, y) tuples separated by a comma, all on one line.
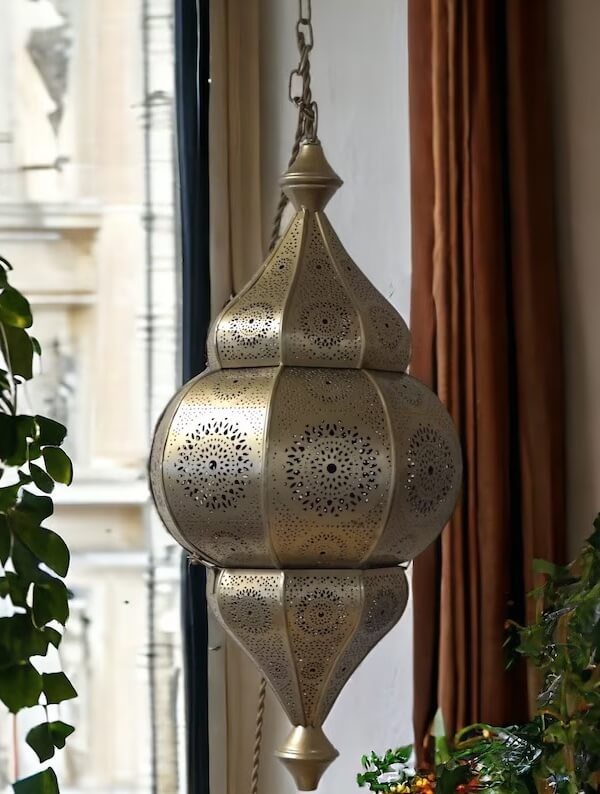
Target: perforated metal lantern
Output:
[(302, 458)]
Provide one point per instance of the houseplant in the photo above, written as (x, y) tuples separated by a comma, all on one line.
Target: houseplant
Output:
[(559, 748), (33, 559)]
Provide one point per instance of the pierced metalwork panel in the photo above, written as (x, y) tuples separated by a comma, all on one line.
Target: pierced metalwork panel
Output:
[(429, 468), (322, 612), (321, 325), (213, 464), (248, 331), (329, 467), (155, 468), (385, 334), (385, 595), (249, 605), (310, 306), (308, 630)]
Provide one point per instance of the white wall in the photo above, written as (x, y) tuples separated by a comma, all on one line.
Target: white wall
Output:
[(576, 68), (360, 82)]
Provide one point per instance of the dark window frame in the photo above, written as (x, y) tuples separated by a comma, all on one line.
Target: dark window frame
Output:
[(192, 64)]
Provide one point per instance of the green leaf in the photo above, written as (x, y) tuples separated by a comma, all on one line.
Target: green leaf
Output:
[(450, 778), (442, 747), (40, 478), (57, 688), (20, 351), (41, 783), (54, 636), (37, 348), (15, 309), (5, 539), (20, 686), (17, 588), (550, 569), (58, 464), (50, 602), (34, 451), (594, 538), (50, 432), (20, 639), (60, 731), (9, 494), (8, 436), (39, 507), (3, 278), (16, 431), (40, 741), (402, 754), (47, 546), (26, 563)]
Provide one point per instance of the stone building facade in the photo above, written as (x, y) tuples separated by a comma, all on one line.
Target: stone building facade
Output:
[(87, 217)]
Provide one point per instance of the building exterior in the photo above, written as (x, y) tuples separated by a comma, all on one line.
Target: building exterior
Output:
[(87, 218)]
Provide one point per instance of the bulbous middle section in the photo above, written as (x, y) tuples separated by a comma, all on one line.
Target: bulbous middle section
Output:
[(305, 467)]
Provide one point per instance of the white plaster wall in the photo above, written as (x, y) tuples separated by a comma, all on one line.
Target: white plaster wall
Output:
[(576, 90), (360, 80)]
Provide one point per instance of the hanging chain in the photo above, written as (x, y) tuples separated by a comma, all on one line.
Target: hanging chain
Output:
[(300, 96), (299, 90)]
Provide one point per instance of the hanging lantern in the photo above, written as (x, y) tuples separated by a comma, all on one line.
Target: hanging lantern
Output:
[(304, 466)]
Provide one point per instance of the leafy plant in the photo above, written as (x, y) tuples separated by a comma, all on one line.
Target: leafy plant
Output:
[(33, 559), (558, 750)]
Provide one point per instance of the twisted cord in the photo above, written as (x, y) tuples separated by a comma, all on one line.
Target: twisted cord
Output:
[(260, 715), (283, 199)]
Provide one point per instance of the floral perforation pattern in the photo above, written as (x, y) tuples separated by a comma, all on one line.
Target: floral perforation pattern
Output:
[(249, 330), (329, 482), (385, 594), (386, 335), (331, 468), (322, 613), (428, 468), (213, 466), (250, 606)]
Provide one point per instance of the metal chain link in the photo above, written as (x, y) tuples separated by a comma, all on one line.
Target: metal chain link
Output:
[(308, 111), (307, 107)]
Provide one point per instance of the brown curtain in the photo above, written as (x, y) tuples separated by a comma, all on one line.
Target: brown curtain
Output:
[(486, 333)]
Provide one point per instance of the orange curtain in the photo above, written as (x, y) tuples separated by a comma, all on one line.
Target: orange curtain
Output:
[(485, 320)]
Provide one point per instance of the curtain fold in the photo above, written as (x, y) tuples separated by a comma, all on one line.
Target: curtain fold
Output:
[(485, 319), (236, 222), (235, 255)]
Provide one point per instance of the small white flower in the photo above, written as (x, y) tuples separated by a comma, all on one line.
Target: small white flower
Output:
[(388, 777)]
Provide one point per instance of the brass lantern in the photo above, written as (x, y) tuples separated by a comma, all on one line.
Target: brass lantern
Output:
[(304, 466)]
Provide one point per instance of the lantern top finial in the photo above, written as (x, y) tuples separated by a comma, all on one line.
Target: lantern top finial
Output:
[(310, 181)]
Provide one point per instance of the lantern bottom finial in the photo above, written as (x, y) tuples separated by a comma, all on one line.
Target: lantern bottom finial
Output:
[(306, 755)]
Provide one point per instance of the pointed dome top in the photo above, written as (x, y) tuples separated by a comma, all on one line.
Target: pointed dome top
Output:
[(310, 305)]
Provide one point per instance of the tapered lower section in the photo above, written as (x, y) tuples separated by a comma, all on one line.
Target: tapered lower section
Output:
[(306, 755)]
